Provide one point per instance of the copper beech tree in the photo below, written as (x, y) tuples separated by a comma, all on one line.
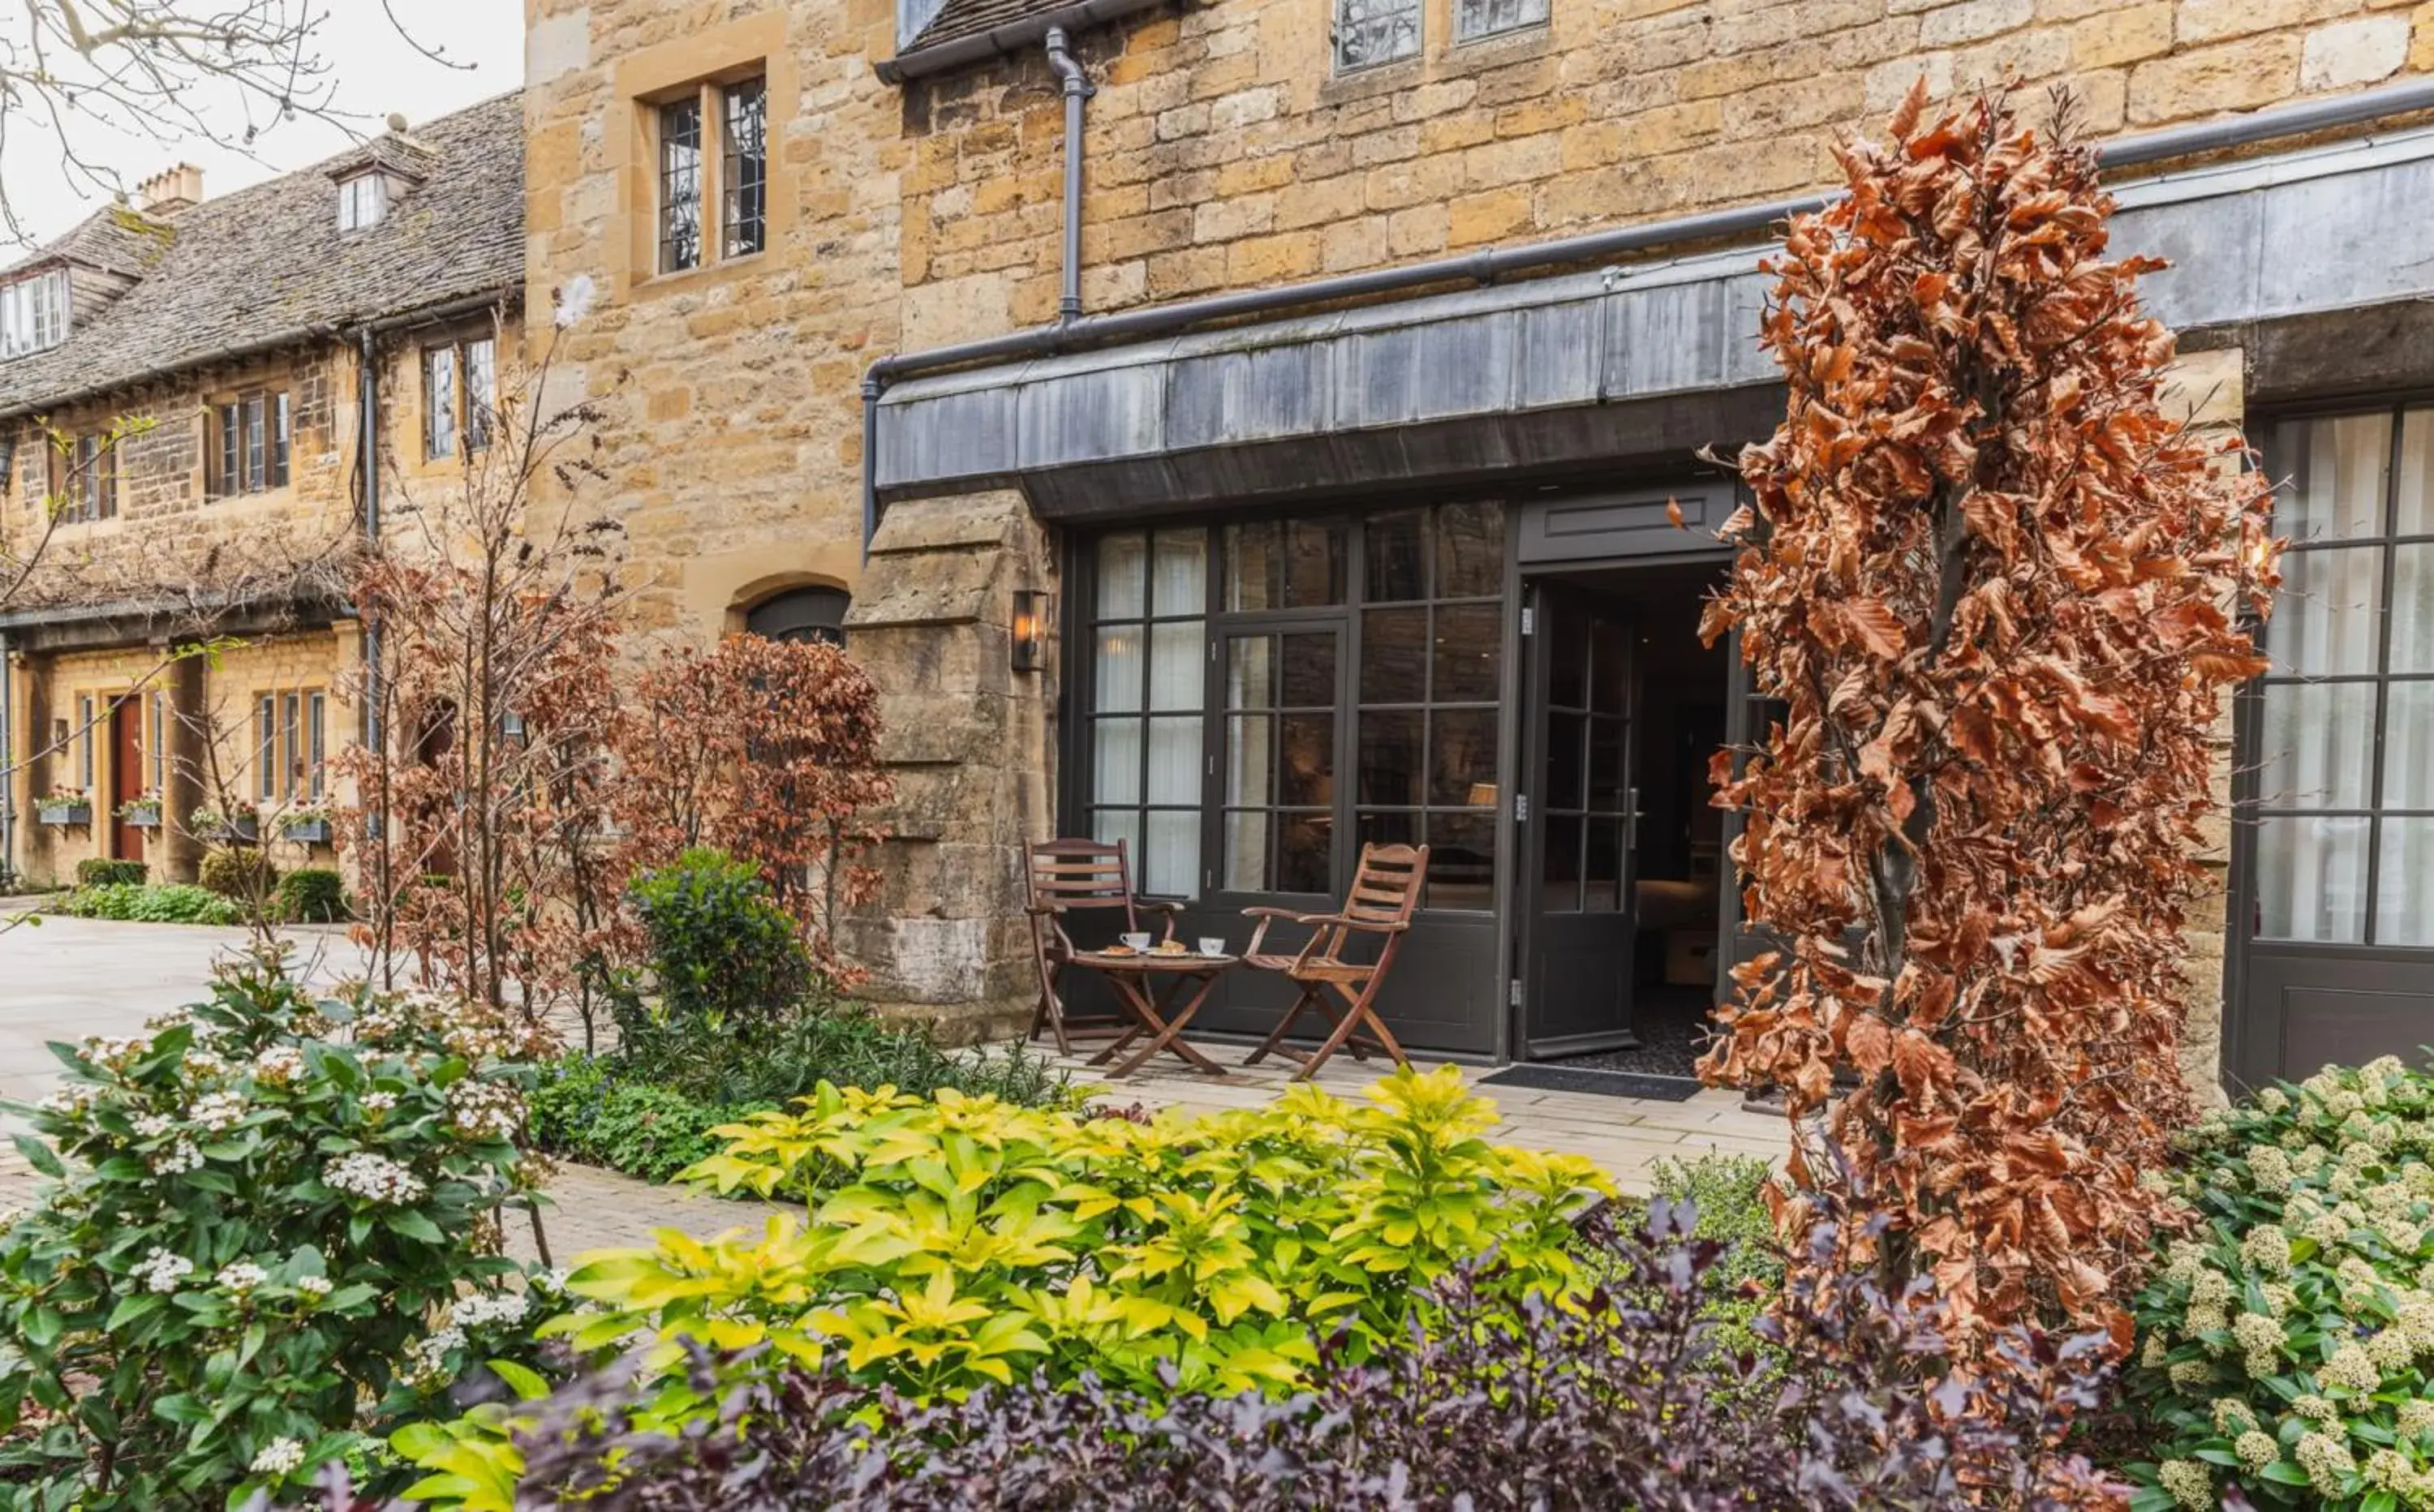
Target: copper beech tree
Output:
[(1999, 591), (767, 750)]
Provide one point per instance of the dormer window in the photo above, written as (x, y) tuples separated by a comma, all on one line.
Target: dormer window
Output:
[(362, 201), (33, 313)]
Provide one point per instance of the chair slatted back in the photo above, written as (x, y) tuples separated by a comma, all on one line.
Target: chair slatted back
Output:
[(1076, 875), (1386, 888)]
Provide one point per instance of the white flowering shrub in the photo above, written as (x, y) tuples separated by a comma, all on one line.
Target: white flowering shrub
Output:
[(2286, 1346), (271, 1237)]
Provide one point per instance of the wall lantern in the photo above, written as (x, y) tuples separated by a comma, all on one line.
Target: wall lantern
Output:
[(1029, 630)]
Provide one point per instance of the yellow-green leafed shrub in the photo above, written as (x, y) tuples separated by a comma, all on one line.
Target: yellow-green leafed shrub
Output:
[(960, 1240), (2286, 1346)]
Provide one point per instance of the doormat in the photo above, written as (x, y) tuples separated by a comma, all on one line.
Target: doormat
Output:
[(1604, 1083)]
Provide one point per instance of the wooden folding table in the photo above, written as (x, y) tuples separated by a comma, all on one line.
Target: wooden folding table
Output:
[(1137, 980)]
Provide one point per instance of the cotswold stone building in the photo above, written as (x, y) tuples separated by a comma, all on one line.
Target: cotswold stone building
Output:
[(1243, 428), (186, 384)]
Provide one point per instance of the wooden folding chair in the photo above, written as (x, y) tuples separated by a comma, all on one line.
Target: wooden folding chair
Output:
[(1385, 891), (1066, 876)]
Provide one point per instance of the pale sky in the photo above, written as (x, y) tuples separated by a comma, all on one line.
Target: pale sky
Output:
[(376, 71)]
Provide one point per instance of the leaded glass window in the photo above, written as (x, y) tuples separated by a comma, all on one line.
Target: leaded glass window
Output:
[(680, 185), (1368, 32), (1485, 18), (745, 108)]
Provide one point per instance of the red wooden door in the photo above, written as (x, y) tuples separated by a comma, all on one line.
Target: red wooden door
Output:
[(125, 775)]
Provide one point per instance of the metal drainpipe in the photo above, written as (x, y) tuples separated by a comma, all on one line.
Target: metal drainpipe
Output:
[(367, 451), (1076, 84), (1077, 88), (8, 763)]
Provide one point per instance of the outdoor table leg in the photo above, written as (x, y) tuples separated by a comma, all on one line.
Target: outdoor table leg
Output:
[(1170, 1029)]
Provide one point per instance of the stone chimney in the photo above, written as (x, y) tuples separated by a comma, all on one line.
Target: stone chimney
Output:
[(170, 189)]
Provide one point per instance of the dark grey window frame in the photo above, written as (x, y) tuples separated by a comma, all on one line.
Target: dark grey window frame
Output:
[(2263, 976)]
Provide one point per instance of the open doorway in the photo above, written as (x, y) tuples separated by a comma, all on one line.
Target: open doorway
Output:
[(1623, 851)]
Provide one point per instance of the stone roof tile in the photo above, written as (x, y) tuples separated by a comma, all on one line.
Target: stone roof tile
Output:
[(265, 263)]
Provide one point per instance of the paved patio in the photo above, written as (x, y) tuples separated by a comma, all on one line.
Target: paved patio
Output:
[(66, 978)]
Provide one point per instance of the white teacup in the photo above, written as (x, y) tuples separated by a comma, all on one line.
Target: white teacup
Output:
[(1212, 946), (1139, 941)]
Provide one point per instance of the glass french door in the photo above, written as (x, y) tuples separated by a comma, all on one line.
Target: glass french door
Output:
[(1281, 737), (1578, 827)]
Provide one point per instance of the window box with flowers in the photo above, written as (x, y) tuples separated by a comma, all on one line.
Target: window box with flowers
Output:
[(305, 826), (243, 827), (64, 806), (141, 813)]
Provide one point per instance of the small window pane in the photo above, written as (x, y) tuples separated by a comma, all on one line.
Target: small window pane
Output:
[(1108, 825), (1250, 672), (1315, 571), (1470, 551), (2336, 469), (1251, 566), (1390, 757), (681, 185), (1484, 18), (2415, 515), (1607, 749), (2318, 745), (1567, 761), (279, 440), (1394, 657), (1389, 828), (2405, 902), (2311, 879), (1170, 855), (1180, 585), (318, 750), (1305, 746), (1308, 670), (1561, 872), (746, 124), (256, 445), (2412, 608), (1117, 685), (481, 392), (440, 402), (1305, 854), (1461, 758), (1462, 862), (1469, 650), (1116, 761), (2324, 617), (1175, 653), (2409, 761), (1375, 31), (1123, 577), (1602, 876), (1396, 545), (229, 483), (1250, 757), (1246, 852), (1175, 759)]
